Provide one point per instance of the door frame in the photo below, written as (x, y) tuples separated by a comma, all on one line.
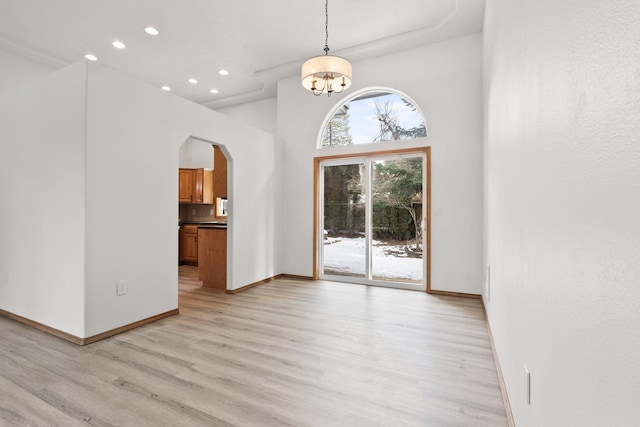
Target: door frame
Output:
[(317, 197)]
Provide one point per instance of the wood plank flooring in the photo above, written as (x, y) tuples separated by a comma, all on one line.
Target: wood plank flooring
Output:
[(286, 353)]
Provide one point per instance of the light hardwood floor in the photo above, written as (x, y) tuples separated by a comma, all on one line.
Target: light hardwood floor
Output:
[(286, 353)]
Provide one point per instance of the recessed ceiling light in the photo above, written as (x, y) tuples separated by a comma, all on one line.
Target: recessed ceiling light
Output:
[(91, 57), (214, 91), (192, 81), (223, 72), (118, 44), (165, 88), (151, 30)]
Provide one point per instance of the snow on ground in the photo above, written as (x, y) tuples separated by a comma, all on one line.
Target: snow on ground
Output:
[(346, 256)]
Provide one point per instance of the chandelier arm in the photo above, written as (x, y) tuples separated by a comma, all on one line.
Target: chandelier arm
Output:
[(341, 89), (314, 89)]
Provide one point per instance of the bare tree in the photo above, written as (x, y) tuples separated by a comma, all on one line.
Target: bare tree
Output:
[(388, 121)]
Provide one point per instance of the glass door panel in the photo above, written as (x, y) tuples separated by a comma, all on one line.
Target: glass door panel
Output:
[(344, 241), (396, 220)]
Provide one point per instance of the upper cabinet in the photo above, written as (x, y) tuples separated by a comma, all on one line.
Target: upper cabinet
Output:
[(195, 186), (185, 186), (203, 187), (219, 172)]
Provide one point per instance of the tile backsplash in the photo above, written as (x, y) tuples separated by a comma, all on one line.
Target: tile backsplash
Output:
[(197, 213)]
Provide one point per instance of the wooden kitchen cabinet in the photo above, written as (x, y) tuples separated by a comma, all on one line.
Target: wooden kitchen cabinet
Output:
[(195, 186), (219, 173), (212, 246), (185, 185), (203, 187), (189, 244)]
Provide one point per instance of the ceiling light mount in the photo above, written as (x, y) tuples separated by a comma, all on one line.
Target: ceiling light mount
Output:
[(326, 73)]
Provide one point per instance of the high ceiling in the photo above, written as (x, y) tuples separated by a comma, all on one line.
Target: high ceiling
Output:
[(258, 42)]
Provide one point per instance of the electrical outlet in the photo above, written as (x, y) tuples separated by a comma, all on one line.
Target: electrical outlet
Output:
[(527, 385), (193, 211), (210, 211), (121, 287)]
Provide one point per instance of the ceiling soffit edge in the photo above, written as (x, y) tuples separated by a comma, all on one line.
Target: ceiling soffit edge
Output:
[(32, 54)]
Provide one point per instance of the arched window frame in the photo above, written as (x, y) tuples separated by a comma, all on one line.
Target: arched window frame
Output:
[(357, 94)]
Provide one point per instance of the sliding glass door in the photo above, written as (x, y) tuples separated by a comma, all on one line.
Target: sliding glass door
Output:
[(372, 222)]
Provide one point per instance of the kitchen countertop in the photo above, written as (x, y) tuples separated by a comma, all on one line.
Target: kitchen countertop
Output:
[(206, 224), (218, 226)]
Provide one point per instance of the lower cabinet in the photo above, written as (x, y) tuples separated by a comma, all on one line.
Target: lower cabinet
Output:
[(189, 244), (212, 246)]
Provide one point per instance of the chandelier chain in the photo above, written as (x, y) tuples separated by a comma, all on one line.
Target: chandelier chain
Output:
[(326, 27)]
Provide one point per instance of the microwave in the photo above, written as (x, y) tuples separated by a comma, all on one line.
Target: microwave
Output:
[(221, 206)]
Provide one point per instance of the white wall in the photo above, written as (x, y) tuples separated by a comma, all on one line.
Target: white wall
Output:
[(562, 196), (88, 165), (259, 114), (195, 154), (42, 187), (262, 115), (444, 80), (134, 135)]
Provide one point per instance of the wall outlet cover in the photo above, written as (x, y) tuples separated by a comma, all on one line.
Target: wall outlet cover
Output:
[(121, 287)]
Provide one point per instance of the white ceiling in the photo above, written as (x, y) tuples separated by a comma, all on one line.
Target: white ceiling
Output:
[(259, 42)]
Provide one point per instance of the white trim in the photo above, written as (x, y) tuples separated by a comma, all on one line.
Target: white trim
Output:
[(358, 93)]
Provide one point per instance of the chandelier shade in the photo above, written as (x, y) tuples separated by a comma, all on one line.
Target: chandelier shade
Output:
[(326, 74)]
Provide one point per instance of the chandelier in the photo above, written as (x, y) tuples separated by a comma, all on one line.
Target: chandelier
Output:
[(326, 73)]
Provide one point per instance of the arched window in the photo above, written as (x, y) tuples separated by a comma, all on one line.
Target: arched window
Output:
[(373, 115)]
